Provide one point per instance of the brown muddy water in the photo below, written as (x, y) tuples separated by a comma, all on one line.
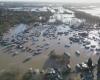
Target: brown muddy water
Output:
[(38, 61)]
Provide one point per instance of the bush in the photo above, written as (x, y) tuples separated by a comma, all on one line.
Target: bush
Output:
[(28, 76)]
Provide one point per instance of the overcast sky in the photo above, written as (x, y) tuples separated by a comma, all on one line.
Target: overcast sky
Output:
[(89, 1)]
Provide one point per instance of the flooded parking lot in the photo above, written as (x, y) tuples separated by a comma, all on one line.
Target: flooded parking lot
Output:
[(32, 50)]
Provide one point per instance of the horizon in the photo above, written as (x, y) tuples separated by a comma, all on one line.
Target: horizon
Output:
[(52, 1)]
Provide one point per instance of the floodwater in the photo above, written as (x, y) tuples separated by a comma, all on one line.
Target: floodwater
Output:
[(19, 29), (44, 44), (95, 11), (8, 61)]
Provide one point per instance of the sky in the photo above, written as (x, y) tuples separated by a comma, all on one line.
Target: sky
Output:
[(73, 1)]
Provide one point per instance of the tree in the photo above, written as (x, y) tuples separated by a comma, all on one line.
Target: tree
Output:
[(89, 63), (98, 65)]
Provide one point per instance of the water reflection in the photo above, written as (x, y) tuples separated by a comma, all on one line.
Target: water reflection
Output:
[(18, 29)]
